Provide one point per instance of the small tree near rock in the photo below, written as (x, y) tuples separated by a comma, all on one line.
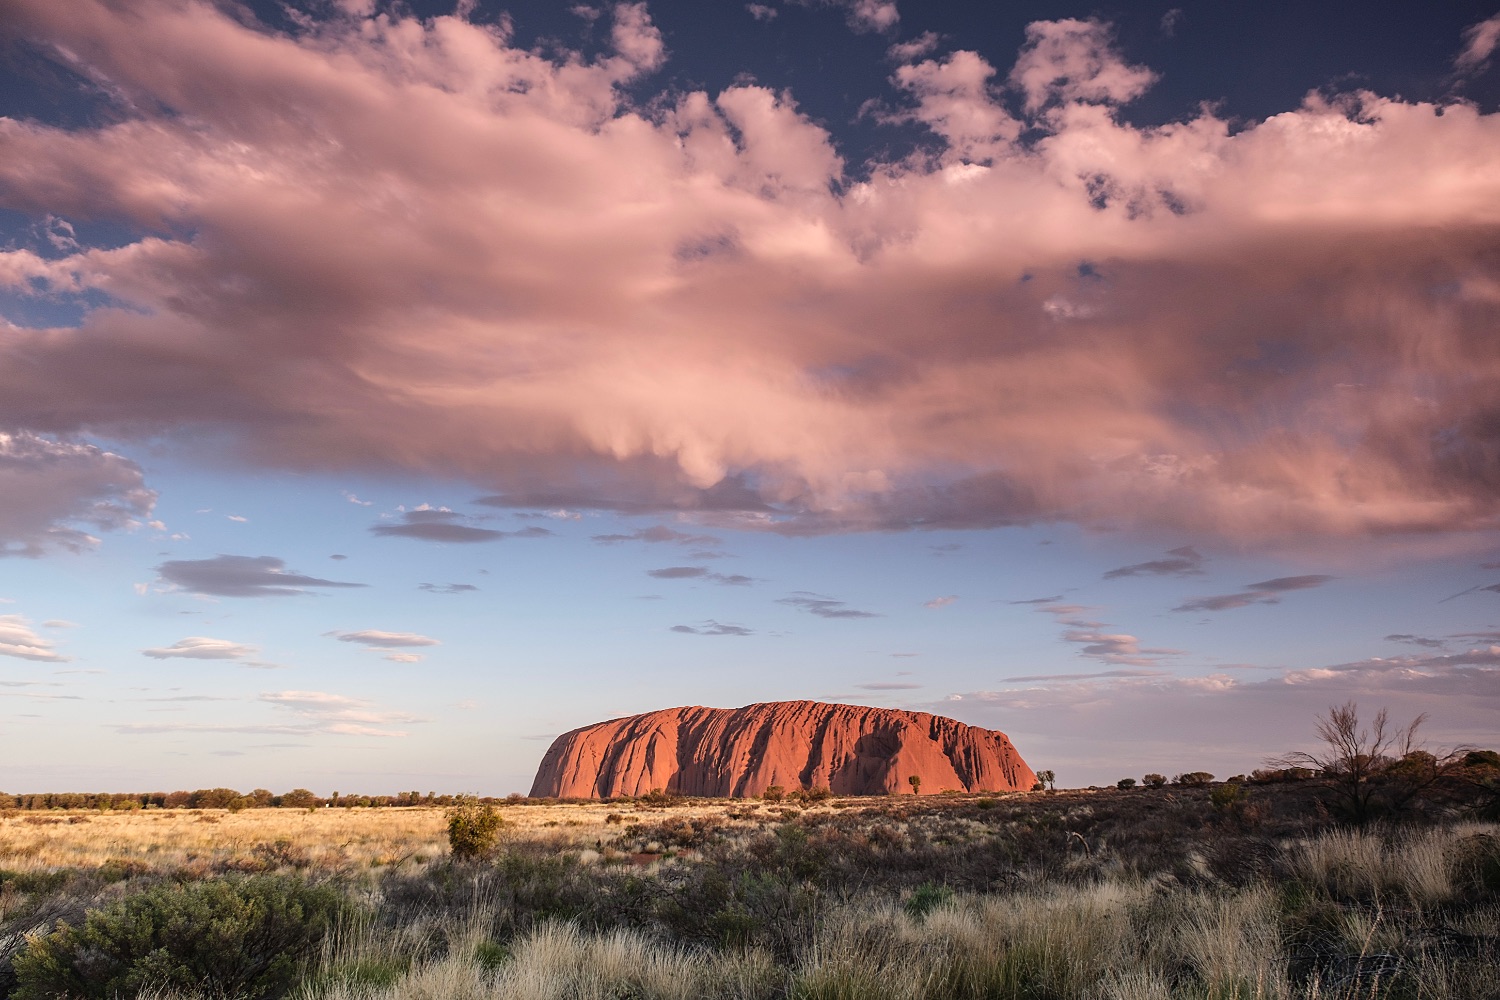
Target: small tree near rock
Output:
[(916, 784), (1048, 778)]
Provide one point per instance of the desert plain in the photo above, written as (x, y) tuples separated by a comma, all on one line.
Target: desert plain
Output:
[(1182, 890)]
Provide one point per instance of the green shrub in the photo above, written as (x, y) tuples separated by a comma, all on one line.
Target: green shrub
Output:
[(243, 938), (1125, 783), (773, 793), (926, 898), (1193, 779), (1226, 797), (1154, 780), (473, 829)]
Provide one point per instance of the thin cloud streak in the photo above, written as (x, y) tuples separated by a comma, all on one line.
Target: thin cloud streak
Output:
[(1264, 592), (823, 606), (241, 576)]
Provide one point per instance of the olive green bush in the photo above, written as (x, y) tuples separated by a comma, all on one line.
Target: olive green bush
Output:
[(473, 829), (245, 938)]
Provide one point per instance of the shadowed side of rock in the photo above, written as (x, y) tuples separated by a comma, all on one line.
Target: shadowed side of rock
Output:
[(849, 749)]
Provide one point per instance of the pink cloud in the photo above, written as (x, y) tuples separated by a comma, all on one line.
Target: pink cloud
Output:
[(1073, 60), (391, 243), (1480, 41), (52, 492)]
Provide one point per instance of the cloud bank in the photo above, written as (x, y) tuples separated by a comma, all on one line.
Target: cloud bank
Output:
[(386, 243)]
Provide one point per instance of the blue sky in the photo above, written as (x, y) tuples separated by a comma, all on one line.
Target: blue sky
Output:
[(385, 391)]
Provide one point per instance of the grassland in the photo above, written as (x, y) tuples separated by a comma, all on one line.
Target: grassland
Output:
[(1145, 893)]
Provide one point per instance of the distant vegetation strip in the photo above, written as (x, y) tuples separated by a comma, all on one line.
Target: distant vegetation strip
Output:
[(229, 798)]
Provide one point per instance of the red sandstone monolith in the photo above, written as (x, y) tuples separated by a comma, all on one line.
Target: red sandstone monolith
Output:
[(739, 752)]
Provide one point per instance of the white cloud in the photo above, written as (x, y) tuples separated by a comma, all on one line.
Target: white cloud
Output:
[(383, 640), (339, 714), (201, 648), (940, 602), (18, 640)]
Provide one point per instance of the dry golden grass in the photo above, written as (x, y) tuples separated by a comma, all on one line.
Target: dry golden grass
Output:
[(173, 837), (325, 837)]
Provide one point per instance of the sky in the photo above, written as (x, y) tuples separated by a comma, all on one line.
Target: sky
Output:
[(387, 388)]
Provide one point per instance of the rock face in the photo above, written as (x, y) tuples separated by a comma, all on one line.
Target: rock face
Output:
[(725, 752)]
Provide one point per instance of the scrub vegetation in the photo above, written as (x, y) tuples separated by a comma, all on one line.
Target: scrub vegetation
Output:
[(1276, 885)]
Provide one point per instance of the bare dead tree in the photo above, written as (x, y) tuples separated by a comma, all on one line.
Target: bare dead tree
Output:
[(1353, 755)]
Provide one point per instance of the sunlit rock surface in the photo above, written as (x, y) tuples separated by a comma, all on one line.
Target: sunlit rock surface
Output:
[(724, 752)]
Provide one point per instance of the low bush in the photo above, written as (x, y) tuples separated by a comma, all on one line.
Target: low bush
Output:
[(473, 829), (244, 938), (1226, 796)]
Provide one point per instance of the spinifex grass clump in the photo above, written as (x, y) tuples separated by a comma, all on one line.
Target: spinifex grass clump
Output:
[(245, 938)]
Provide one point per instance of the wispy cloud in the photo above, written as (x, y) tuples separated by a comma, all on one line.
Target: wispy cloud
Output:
[(700, 573), (940, 602), (1047, 678), (1265, 592), (241, 576), (712, 627), (340, 715), (824, 607), (439, 524), (1480, 41), (17, 639), (197, 647), (1184, 561), (447, 588), (1084, 630), (378, 639), (888, 686), (657, 534), (1416, 640)]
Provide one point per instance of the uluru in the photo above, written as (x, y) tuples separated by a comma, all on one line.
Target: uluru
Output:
[(740, 752)]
